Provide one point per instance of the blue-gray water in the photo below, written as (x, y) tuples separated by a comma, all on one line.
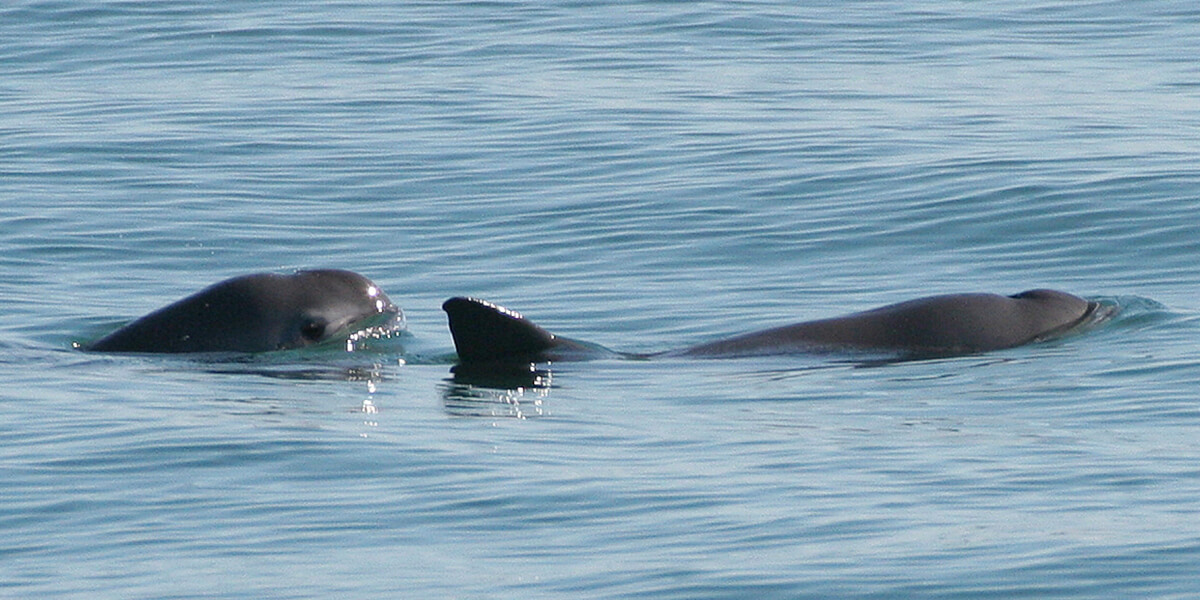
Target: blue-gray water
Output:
[(646, 175)]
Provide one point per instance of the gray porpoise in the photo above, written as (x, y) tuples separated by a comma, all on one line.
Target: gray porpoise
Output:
[(258, 313), (935, 326)]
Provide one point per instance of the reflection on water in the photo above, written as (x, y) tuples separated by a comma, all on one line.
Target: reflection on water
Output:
[(515, 391), (371, 374)]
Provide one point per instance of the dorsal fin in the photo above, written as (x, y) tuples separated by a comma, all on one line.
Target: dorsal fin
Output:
[(483, 332)]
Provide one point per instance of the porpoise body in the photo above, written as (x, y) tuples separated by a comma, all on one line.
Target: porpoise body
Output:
[(945, 325)]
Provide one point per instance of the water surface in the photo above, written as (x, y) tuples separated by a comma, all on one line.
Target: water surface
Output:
[(647, 176)]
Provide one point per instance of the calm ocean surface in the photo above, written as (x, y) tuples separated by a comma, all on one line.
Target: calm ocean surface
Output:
[(646, 175)]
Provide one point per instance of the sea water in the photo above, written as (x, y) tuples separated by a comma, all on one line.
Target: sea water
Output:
[(645, 175)]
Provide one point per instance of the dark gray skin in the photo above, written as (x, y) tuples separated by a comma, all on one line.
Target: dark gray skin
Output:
[(947, 325), (258, 313)]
